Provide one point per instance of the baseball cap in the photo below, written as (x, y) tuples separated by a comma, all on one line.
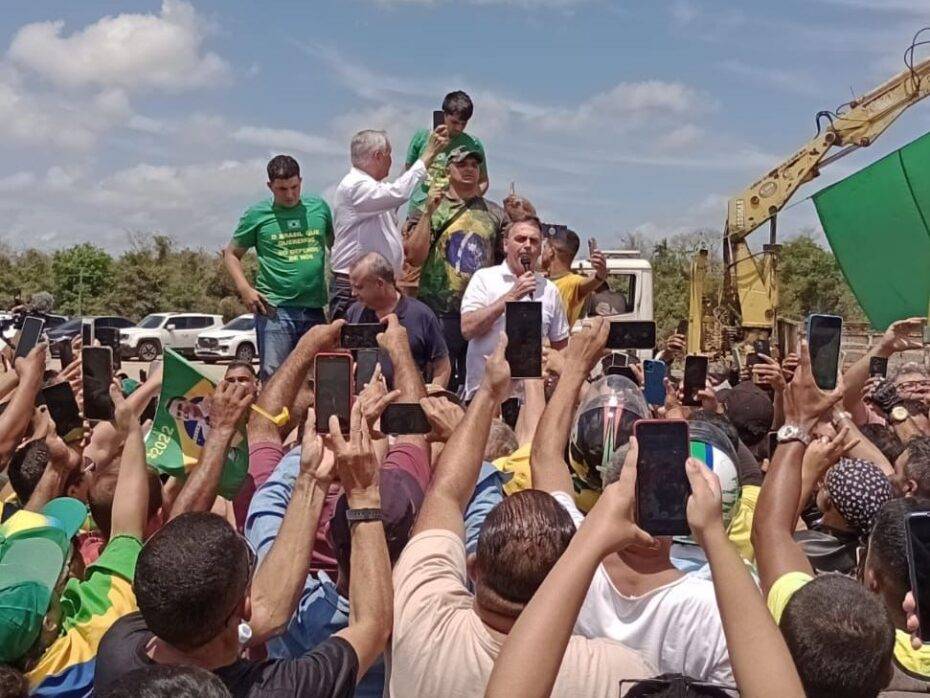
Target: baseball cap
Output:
[(461, 152), (750, 410), (401, 499), (34, 549)]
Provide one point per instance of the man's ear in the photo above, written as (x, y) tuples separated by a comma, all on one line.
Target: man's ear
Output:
[(910, 487), (270, 188), (471, 566), (872, 579)]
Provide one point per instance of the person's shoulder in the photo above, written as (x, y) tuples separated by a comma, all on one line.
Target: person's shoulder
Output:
[(603, 660), (354, 313), (473, 140), (434, 551), (259, 208), (314, 201)]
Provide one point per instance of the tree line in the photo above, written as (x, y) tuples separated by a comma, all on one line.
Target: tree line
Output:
[(156, 274)]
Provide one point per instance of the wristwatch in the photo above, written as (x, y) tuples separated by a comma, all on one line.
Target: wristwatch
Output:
[(899, 414), (839, 416), (790, 432), (357, 515)]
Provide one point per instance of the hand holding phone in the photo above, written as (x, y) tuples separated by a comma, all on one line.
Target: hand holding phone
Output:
[(332, 390), (29, 336), (523, 322), (97, 367), (695, 379), (662, 484), (64, 411), (404, 418)]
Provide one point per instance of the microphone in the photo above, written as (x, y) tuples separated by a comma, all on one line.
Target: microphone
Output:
[(525, 261)]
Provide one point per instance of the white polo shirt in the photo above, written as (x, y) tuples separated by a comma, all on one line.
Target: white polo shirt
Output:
[(485, 287)]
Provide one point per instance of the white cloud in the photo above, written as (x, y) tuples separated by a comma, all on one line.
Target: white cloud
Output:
[(789, 80), (130, 51), (684, 12), (680, 138), (917, 7), (530, 4), (283, 139), (17, 181)]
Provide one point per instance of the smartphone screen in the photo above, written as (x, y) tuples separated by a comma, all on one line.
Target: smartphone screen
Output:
[(878, 366), (333, 390), (365, 362), (109, 337), (361, 336), (404, 418), (662, 487), (823, 337), (524, 338), (654, 379), (695, 379), (632, 334), (97, 367), (917, 524), (65, 353), (63, 408), (29, 337), (439, 118), (762, 346), (87, 332), (682, 327)]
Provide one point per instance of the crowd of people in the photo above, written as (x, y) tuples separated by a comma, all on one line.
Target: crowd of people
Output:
[(500, 553)]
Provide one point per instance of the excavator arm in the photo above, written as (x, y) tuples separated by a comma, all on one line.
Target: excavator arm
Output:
[(750, 289)]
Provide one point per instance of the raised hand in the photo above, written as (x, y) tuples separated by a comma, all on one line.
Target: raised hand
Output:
[(804, 402), (824, 452), (586, 348), (374, 398), (323, 337), (899, 336), (356, 462), (32, 366), (704, 511), (444, 416), (768, 372), (394, 337), (229, 405), (312, 453), (497, 372)]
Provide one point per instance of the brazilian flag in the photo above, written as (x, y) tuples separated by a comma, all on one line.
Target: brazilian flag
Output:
[(182, 424)]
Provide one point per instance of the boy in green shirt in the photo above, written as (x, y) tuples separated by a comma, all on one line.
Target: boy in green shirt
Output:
[(458, 108), (291, 234)]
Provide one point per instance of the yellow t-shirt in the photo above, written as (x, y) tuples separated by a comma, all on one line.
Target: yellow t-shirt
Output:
[(516, 464), (569, 286), (740, 530)]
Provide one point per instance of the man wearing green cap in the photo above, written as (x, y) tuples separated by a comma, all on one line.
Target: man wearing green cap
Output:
[(459, 234)]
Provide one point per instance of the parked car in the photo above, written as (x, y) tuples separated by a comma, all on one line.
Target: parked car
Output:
[(234, 340), (159, 330), (11, 324), (72, 328)]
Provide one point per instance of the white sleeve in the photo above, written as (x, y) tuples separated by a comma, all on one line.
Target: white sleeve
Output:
[(475, 296), (568, 504), (558, 328), (369, 196)]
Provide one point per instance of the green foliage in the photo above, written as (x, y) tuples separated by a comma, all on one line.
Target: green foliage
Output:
[(81, 279), (810, 281)]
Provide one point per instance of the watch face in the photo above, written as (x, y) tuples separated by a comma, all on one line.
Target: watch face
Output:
[(899, 413)]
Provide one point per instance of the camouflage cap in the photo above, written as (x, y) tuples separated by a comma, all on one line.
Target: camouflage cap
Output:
[(461, 152)]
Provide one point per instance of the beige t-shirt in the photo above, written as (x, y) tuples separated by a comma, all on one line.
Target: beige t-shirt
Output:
[(441, 648)]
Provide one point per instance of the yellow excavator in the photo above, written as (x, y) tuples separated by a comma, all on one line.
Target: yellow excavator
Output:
[(747, 308)]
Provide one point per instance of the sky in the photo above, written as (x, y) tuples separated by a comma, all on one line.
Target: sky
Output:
[(612, 116)]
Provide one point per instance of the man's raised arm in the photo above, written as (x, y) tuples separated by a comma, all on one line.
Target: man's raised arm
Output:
[(457, 470), (18, 413)]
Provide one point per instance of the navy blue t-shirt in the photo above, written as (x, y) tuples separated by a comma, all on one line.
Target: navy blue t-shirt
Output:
[(423, 331)]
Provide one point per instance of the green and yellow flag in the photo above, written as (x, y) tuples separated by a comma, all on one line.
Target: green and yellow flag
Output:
[(182, 423)]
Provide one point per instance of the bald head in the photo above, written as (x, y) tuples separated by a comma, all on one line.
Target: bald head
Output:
[(372, 279)]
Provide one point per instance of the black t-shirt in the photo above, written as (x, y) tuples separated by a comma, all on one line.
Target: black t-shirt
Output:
[(423, 331), (329, 670)]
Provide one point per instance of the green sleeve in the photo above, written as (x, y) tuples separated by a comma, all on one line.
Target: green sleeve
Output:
[(119, 557), (417, 143), (246, 235), (104, 583)]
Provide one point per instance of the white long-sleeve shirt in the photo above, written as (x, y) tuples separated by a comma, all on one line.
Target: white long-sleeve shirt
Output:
[(365, 214)]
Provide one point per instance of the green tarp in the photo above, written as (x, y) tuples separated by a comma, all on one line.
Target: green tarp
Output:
[(876, 222)]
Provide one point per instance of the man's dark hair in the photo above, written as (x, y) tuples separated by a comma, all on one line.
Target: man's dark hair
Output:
[(565, 241), (163, 680), (888, 542), (917, 465), (884, 439), (282, 167), (236, 363), (458, 104), (190, 577), (12, 682), (673, 686), (840, 638), (520, 541), (27, 465)]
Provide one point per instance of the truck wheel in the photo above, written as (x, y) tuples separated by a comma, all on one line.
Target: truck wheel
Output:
[(148, 350), (245, 352)]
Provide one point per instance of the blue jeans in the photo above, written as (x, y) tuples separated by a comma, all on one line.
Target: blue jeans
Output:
[(340, 297), (278, 336)]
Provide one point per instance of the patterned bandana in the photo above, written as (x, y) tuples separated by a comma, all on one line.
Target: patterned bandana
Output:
[(858, 490)]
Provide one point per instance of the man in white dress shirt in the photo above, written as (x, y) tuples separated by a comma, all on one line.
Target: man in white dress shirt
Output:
[(490, 289), (365, 209)]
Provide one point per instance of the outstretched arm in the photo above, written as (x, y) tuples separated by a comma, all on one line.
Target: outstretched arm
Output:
[(549, 472), (131, 497), (750, 630), (541, 633), (18, 413), (457, 470), (897, 338)]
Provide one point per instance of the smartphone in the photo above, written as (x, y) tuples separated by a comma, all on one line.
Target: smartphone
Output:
[(109, 337), (65, 353), (524, 338), (773, 443), (97, 367), (332, 390), (64, 410), (632, 334), (917, 524), (662, 486), (751, 360), (695, 379), (878, 366), (404, 418), (439, 118), (365, 362), (654, 378), (824, 333), (682, 327), (29, 336), (87, 333), (592, 247), (361, 336), (762, 346)]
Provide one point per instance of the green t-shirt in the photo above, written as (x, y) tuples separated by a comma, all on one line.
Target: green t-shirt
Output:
[(291, 245), (470, 243), (437, 169)]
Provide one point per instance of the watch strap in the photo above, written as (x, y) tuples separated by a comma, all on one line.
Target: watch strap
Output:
[(357, 515)]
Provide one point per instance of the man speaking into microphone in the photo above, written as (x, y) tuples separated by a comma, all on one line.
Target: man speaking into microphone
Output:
[(490, 289)]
